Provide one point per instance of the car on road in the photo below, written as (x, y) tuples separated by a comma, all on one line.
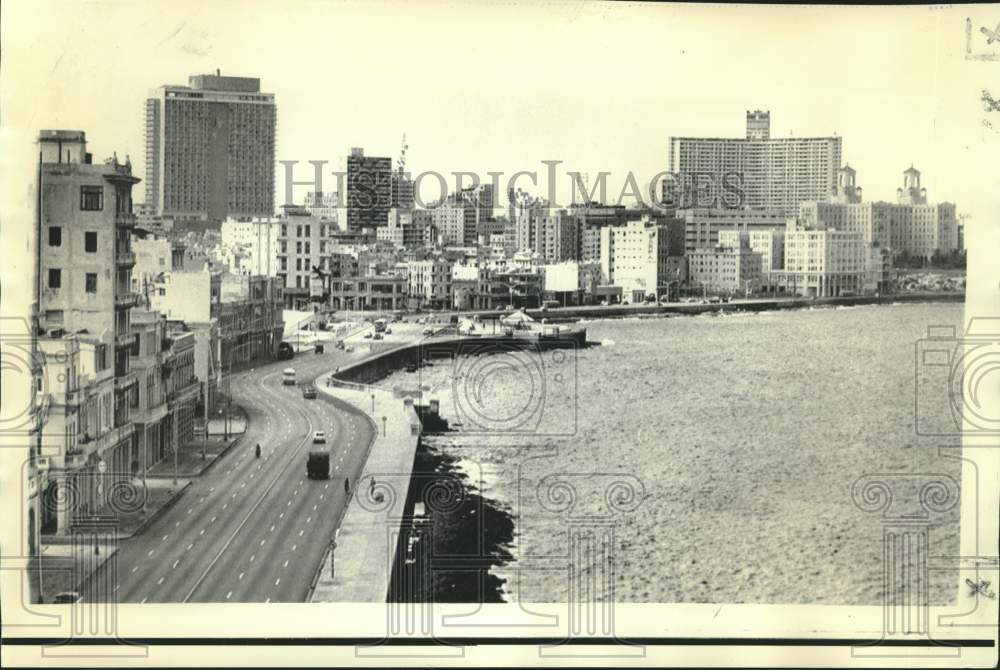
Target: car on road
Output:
[(66, 598), (309, 392), (319, 437), (368, 336), (377, 336), (388, 331), (427, 331)]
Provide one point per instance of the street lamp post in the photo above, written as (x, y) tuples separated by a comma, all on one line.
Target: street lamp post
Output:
[(373, 403), (383, 426)]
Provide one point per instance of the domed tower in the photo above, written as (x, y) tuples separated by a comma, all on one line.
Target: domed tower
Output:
[(846, 190), (911, 193)]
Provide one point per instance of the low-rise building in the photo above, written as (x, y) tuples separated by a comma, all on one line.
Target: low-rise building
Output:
[(725, 268), (379, 292), (428, 283)]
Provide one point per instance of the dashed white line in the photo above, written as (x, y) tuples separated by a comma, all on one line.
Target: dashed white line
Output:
[(164, 538), (293, 547), (252, 556), (191, 545), (150, 552), (134, 568), (160, 581), (174, 566), (308, 519), (240, 577), (213, 519), (272, 529), (285, 565), (301, 532), (228, 595), (277, 581)]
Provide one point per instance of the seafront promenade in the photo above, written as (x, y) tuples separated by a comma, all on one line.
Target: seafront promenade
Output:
[(366, 542)]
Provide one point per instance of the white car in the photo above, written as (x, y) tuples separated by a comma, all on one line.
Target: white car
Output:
[(319, 437)]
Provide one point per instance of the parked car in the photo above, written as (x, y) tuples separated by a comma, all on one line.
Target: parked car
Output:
[(388, 331), (309, 392), (368, 336), (319, 437), (427, 331), (377, 336), (66, 598)]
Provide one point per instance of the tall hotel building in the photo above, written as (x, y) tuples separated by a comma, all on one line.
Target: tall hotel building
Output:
[(210, 149), (776, 173)]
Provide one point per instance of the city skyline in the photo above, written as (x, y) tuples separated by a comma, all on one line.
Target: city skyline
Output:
[(882, 133)]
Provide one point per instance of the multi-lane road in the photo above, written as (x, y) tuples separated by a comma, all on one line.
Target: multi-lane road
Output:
[(249, 529)]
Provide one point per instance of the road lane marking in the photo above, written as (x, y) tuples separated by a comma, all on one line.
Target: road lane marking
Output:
[(174, 566), (160, 581), (262, 542), (315, 506), (252, 556), (285, 565), (164, 538), (301, 533), (228, 595), (134, 568), (143, 601), (308, 519), (240, 578), (293, 547), (202, 532), (213, 519), (150, 552), (191, 545), (177, 523), (272, 529), (281, 516), (225, 506), (277, 581)]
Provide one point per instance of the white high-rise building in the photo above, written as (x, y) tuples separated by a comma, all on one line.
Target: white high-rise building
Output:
[(758, 171)]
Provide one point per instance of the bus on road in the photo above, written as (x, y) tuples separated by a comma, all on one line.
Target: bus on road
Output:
[(288, 377), (379, 325)]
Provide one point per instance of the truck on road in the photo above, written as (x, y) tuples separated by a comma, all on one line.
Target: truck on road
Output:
[(318, 463)]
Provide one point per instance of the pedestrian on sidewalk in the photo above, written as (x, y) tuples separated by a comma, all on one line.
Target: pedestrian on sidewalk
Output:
[(347, 484), (258, 450)]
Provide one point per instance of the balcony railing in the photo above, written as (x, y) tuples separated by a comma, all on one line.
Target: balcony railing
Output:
[(125, 258), (126, 299)]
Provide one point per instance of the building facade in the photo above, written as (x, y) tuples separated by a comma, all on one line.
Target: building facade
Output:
[(210, 149), (368, 190), (84, 282), (634, 257), (758, 171)]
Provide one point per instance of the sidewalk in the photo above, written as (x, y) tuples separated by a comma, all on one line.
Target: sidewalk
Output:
[(366, 540), (65, 567), (161, 494), (189, 460)]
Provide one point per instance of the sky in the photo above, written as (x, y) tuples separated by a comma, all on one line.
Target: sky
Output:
[(503, 86)]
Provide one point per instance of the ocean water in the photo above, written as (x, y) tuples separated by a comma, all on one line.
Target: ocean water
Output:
[(741, 458)]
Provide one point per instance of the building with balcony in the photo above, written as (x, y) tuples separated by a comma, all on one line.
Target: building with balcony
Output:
[(84, 281), (149, 440), (757, 172)]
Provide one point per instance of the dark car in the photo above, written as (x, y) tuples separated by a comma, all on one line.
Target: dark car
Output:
[(285, 351), (66, 598), (309, 392)]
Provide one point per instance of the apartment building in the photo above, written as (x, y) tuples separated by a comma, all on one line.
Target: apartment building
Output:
[(551, 233), (85, 297), (729, 267), (758, 171), (258, 238), (770, 244), (702, 225), (305, 243), (428, 283), (635, 257), (454, 224)]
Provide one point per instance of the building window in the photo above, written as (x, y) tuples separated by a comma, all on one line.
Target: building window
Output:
[(55, 278), (55, 236), (90, 242), (91, 281), (92, 198)]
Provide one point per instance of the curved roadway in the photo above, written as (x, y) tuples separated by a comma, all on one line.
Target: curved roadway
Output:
[(251, 530)]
